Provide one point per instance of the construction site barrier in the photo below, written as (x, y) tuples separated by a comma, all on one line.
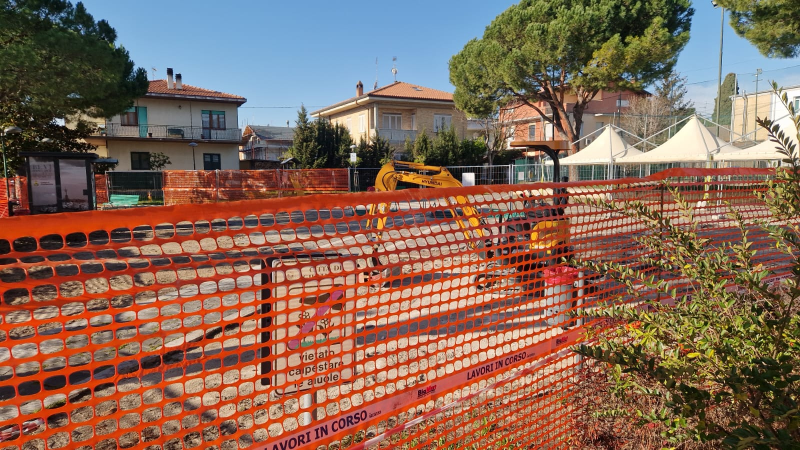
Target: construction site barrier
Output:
[(211, 186), (440, 318)]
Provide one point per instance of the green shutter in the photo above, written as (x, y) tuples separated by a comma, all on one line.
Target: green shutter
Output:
[(141, 115)]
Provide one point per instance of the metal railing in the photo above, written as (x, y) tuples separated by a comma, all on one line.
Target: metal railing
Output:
[(261, 154), (397, 136), (178, 132)]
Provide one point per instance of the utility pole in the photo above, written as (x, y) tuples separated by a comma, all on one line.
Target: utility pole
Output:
[(755, 115), (719, 73)]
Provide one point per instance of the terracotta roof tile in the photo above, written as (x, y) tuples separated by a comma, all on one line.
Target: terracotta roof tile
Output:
[(401, 89), (398, 89), (159, 87)]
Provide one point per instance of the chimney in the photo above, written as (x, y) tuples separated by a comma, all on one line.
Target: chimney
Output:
[(178, 82), (169, 78), (359, 89)]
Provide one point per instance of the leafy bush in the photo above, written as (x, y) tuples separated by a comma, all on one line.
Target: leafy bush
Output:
[(722, 365)]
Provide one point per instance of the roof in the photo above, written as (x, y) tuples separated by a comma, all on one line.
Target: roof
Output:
[(606, 146), (693, 143), (158, 88), (273, 133), (396, 90)]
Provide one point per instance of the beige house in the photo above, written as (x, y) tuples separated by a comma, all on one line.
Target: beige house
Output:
[(395, 112), (167, 119), (764, 104)]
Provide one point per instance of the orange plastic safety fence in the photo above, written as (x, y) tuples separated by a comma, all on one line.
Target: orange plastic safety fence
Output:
[(444, 320), (211, 186)]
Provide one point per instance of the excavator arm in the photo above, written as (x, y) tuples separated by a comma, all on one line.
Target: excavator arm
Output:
[(400, 171)]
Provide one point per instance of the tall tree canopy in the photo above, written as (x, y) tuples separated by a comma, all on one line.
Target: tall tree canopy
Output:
[(771, 25), (319, 143), (563, 52), (56, 61)]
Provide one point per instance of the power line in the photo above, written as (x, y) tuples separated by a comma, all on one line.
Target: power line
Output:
[(747, 73)]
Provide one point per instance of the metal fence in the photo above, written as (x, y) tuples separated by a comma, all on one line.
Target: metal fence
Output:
[(148, 185)]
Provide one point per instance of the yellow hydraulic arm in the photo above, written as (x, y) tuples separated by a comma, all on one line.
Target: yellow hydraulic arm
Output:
[(397, 171)]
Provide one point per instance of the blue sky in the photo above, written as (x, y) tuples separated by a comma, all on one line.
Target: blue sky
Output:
[(279, 54)]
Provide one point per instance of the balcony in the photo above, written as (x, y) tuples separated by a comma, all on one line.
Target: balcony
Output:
[(396, 136), (261, 154), (170, 132)]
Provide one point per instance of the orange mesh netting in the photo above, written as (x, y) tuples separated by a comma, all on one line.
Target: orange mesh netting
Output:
[(211, 186), (443, 320)]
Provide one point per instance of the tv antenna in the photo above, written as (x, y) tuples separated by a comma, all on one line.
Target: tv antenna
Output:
[(394, 68), (153, 73), (375, 86)]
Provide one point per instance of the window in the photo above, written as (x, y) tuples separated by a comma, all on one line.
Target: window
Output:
[(796, 105), (129, 117), (600, 124), (622, 103), (441, 122), (532, 132), (548, 132), (413, 121), (349, 125), (140, 161), (362, 127), (392, 122), (211, 161), (214, 120)]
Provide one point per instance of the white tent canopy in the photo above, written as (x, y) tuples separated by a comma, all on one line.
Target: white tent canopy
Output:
[(604, 150), (693, 143), (765, 151)]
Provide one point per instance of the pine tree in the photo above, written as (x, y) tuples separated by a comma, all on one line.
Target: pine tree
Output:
[(422, 148), (305, 148), (730, 87)]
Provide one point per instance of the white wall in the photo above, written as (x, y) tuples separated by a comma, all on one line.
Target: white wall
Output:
[(183, 112), (180, 154)]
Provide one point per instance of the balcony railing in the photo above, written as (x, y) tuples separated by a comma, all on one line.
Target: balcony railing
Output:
[(178, 132), (397, 136), (261, 154)]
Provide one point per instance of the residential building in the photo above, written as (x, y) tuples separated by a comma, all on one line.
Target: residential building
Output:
[(763, 104), (264, 147), (395, 112), (169, 117), (528, 125)]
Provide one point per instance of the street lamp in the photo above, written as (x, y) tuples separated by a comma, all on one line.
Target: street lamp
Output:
[(193, 144), (719, 73), (353, 160), (7, 130)]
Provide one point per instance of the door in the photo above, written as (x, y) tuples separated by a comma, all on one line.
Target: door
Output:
[(141, 115)]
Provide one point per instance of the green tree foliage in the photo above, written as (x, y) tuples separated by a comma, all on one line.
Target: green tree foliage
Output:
[(724, 362), (563, 52), (374, 153), (42, 134), (305, 148), (672, 88), (446, 150), (56, 61), (158, 161), (422, 147), (771, 26), (319, 144), (729, 87)]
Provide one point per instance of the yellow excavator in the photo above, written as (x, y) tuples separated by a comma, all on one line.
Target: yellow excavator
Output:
[(548, 236)]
